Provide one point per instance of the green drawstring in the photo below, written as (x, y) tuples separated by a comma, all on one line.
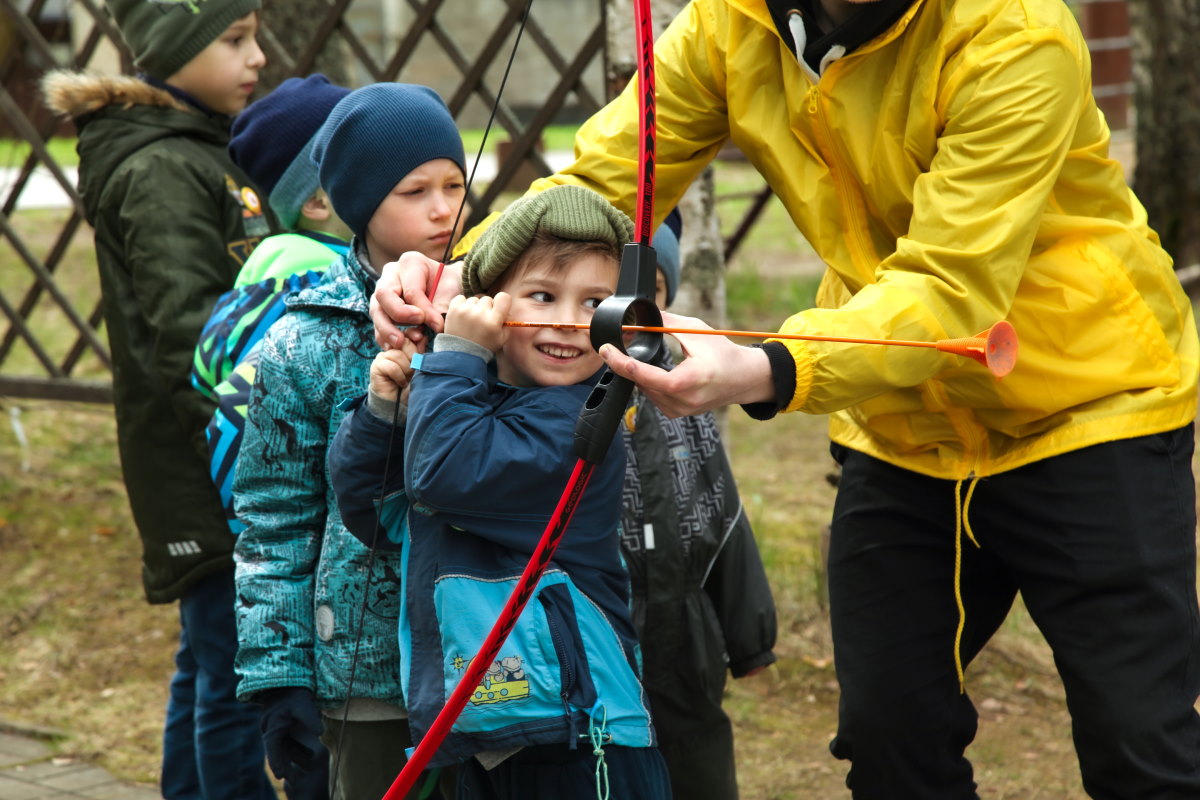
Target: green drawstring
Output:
[(598, 735), (431, 782)]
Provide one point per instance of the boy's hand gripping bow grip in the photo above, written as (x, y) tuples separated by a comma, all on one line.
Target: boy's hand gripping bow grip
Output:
[(633, 304)]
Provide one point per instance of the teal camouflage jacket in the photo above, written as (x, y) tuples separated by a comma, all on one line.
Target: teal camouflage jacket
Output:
[(301, 576)]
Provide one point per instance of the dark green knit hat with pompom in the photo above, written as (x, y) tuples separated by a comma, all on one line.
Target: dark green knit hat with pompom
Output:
[(566, 212), (163, 35)]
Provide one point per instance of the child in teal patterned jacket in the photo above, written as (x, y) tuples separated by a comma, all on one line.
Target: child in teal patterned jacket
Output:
[(391, 161)]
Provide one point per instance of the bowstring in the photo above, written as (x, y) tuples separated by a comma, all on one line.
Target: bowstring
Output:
[(396, 413)]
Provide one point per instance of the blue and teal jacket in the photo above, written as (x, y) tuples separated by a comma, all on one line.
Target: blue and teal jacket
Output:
[(227, 357), (300, 575), (483, 467)]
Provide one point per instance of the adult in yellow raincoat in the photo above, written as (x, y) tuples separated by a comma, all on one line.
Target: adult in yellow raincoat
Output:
[(947, 161)]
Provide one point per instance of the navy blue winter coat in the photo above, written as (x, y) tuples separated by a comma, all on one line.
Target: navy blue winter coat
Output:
[(484, 466)]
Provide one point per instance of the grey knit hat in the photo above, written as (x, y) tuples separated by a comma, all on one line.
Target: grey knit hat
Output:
[(567, 212), (163, 35)]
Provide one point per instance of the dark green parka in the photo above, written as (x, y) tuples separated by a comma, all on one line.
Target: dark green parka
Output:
[(174, 220)]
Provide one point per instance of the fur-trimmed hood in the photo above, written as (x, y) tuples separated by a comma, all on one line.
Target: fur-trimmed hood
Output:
[(76, 94), (117, 116)]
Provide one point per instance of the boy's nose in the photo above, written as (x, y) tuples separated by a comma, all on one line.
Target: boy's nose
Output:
[(258, 59), (442, 205)]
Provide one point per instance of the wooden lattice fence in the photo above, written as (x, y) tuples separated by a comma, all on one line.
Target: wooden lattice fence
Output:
[(51, 341)]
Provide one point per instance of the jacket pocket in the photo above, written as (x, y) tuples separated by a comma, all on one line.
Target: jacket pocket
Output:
[(524, 683), (576, 680)]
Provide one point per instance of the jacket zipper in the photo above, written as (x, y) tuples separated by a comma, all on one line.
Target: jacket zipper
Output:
[(861, 253), (566, 673), (962, 422)]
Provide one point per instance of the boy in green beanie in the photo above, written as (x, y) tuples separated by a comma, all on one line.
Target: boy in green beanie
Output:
[(174, 220), (487, 447)]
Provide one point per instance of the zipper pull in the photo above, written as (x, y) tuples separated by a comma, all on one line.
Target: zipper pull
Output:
[(813, 94)]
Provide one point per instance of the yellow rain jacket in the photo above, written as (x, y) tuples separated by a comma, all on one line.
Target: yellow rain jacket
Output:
[(952, 172)]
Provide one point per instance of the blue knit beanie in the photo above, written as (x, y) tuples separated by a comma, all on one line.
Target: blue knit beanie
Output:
[(272, 141), (373, 138), (666, 249)]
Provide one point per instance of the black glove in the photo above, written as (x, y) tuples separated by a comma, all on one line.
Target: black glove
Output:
[(291, 729)]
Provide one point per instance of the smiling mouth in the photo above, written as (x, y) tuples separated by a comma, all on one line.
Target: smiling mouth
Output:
[(559, 351)]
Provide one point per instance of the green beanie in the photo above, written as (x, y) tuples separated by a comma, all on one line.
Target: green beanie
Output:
[(166, 34), (567, 212)]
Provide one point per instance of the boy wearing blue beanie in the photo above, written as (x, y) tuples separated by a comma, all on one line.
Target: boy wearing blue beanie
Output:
[(174, 222), (391, 161)]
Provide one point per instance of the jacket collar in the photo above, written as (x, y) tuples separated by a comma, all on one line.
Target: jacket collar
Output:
[(77, 94), (346, 287), (870, 21), (187, 97), (772, 14)]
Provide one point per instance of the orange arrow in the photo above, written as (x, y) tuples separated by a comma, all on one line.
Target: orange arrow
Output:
[(996, 348)]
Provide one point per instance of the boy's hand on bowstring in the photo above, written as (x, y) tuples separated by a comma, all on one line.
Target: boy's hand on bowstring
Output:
[(480, 319), (391, 373)]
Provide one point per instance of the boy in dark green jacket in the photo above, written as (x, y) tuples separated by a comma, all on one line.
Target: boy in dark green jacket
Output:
[(174, 220)]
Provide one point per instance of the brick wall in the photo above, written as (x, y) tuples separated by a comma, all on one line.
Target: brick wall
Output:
[(1105, 23)]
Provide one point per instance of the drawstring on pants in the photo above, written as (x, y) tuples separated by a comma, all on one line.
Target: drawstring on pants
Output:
[(961, 522), (598, 734)]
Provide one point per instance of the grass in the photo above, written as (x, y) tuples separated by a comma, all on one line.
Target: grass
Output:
[(85, 654), (554, 137), (13, 152)]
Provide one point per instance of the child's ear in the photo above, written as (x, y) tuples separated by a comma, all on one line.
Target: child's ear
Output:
[(317, 207)]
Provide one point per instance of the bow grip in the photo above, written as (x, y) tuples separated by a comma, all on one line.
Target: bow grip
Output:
[(602, 412)]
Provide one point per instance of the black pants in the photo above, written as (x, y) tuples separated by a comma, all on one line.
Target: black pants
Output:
[(1101, 544), (555, 772)]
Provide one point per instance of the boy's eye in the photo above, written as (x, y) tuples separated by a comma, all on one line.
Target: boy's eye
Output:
[(591, 302), (542, 297)]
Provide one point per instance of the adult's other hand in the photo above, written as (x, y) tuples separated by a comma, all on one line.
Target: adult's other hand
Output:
[(715, 372), (400, 304)]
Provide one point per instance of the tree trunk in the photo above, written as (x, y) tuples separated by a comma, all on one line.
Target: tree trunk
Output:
[(702, 282), (288, 28), (1167, 99)]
